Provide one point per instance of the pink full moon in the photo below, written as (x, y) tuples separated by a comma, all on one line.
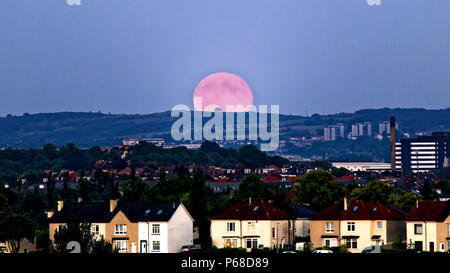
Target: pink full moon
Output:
[(220, 90)]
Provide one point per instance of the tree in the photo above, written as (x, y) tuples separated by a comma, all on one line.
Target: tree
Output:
[(74, 231), (135, 189), (14, 228), (375, 190), (427, 192), (252, 186), (84, 187), (199, 206), (51, 190), (319, 190), (102, 246), (398, 243), (4, 205)]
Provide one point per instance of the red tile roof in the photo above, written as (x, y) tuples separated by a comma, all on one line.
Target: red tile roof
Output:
[(346, 178), (222, 180), (429, 211), (270, 178), (361, 210), (256, 210)]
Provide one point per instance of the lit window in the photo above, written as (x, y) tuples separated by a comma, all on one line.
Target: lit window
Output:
[(230, 243), (251, 226)]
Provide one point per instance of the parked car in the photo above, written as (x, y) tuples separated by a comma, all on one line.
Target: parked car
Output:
[(190, 248), (322, 251), (371, 249)]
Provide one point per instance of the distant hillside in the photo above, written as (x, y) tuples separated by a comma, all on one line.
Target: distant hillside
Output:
[(88, 129)]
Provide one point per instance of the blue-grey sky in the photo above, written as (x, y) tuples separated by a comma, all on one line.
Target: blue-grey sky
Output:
[(144, 56)]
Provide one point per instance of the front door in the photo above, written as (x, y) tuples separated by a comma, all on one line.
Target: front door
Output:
[(431, 246), (143, 246), (418, 245)]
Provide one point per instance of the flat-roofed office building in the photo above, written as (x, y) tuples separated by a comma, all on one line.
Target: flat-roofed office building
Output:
[(424, 153)]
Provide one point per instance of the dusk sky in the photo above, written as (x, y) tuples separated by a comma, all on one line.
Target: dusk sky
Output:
[(145, 56)]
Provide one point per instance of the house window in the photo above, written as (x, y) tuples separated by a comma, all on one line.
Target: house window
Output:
[(230, 243), (251, 226), (156, 246), (330, 227), (350, 226), (95, 230), (155, 228), (120, 230), (379, 225), (441, 247), (231, 226), (273, 232), (417, 228), (252, 243), (121, 245), (351, 243)]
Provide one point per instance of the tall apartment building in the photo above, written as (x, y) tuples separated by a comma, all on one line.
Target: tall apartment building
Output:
[(331, 132), (362, 129), (424, 153), (383, 128)]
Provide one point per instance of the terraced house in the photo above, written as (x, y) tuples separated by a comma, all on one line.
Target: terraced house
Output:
[(357, 224), (131, 227), (428, 226), (252, 224)]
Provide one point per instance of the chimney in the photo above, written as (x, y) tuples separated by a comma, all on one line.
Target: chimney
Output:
[(49, 214), (417, 203), (60, 205), (249, 201), (346, 202), (393, 167), (112, 205)]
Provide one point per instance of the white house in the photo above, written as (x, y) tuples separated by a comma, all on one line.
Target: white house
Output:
[(165, 230)]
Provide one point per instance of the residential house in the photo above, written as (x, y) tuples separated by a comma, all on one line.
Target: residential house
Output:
[(40, 220), (428, 226), (252, 224), (301, 216), (131, 227), (357, 224)]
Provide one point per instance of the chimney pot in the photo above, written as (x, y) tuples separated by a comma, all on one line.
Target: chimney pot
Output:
[(60, 205), (112, 205), (346, 202), (50, 214)]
